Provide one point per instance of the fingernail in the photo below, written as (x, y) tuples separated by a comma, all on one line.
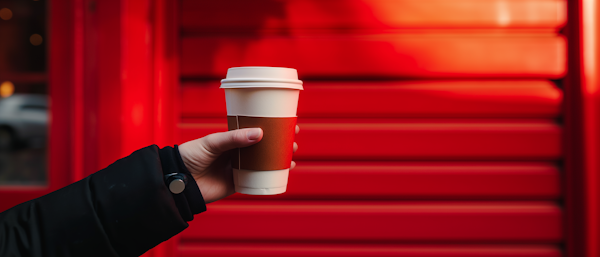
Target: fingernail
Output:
[(253, 134)]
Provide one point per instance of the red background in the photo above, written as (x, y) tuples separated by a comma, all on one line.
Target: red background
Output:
[(428, 128)]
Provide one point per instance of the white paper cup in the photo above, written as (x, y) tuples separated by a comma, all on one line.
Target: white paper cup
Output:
[(265, 97)]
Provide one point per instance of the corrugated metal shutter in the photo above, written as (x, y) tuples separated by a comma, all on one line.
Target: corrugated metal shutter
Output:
[(428, 128)]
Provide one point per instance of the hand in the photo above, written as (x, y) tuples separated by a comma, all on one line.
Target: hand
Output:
[(209, 160)]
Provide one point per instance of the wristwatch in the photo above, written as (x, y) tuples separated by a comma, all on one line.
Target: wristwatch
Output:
[(176, 182)]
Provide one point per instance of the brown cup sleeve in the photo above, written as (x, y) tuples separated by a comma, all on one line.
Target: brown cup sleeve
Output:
[(274, 151)]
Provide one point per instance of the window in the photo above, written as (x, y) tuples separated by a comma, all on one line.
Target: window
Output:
[(23, 92)]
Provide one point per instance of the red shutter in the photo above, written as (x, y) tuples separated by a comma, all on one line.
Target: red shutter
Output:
[(428, 128)]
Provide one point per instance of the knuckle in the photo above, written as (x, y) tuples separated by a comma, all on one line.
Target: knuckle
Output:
[(209, 146), (238, 136)]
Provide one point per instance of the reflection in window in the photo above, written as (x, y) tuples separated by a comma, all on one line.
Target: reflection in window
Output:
[(23, 92)]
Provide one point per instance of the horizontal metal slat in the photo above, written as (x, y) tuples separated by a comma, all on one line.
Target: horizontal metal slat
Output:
[(416, 140), (424, 99), (199, 16), (400, 56), (260, 249), (419, 180), (375, 221)]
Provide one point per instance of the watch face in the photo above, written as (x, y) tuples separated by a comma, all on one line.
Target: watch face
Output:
[(177, 186)]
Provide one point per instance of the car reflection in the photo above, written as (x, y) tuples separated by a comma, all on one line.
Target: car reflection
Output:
[(23, 136), (23, 121)]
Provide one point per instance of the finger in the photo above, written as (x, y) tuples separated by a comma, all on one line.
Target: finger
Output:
[(293, 165), (295, 147), (297, 129), (218, 143)]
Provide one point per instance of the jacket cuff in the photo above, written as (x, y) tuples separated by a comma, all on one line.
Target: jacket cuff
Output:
[(190, 201)]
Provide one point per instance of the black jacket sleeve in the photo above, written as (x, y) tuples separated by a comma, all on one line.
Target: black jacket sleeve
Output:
[(122, 210)]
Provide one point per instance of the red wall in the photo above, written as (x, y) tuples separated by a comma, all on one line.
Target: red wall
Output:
[(428, 128)]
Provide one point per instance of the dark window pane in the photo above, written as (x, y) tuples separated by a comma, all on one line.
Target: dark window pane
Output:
[(23, 89)]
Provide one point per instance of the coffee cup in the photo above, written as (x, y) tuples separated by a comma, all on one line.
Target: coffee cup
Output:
[(267, 98)]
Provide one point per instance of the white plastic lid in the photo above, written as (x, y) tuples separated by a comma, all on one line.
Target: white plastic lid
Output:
[(256, 77)]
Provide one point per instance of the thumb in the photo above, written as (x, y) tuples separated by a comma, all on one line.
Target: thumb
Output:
[(218, 143)]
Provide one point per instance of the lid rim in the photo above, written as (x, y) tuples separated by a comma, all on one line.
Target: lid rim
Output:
[(267, 80), (293, 86)]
